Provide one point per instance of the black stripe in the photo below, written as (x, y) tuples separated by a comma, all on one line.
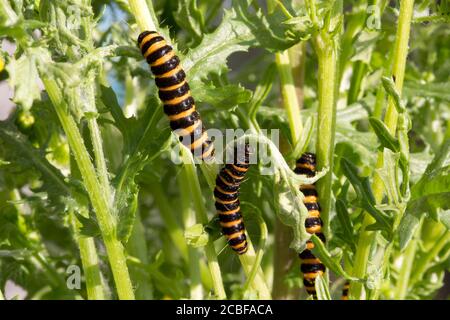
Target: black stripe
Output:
[(184, 105), (309, 283), (203, 147), (237, 240), (306, 254), (170, 64), (161, 52), (188, 139), (312, 206), (310, 222), (321, 236), (149, 43), (143, 35), (345, 292), (314, 267), (185, 122), (175, 93), (230, 217), (224, 187), (309, 192), (170, 81), (304, 171), (307, 158), (224, 196), (227, 177), (236, 228), (227, 207)]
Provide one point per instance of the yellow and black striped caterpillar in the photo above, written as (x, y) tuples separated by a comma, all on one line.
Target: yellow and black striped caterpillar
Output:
[(227, 202), (311, 266), (175, 93), (345, 291)]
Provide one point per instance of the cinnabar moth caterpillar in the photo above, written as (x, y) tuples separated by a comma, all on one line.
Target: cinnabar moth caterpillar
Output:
[(227, 202), (311, 266), (175, 93)]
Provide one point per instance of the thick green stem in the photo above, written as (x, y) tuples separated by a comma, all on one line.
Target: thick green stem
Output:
[(100, 204), (143, 15), (400, 54), (328, 89), (405, 270)]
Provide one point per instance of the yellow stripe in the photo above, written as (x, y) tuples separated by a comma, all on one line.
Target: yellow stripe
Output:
[(169, 73), (208, 152), (154, 47), (309, 245), (163, 59), (239, 168), (306, 166), (240, 245), (226, 182), (188, 130), (226, 202), (233, 176), (175, 86), (147, 38), (197, 143), (231, 223), (229, 211), (223, 191), (235, 235), (310, 199), (313, 214), (307, 187), (178, 99), (182, 114), (312, 275), (313, 229)]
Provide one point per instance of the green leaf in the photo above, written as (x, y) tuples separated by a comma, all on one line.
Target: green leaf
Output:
[(430, 193), (390, 177), (330, 262), (24, 77), (223, 97), (190, 18), (365, 196), (383, 134), (196, 236), (89, 226), (427, 90), (347, 226)]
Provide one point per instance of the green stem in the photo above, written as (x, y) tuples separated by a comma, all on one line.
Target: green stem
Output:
[(100, 204), (289, 94), (406, 269), (400, 54), (326, 49), (423, 263), (137, 247), (202, 217), (189, 219), (144, 17)]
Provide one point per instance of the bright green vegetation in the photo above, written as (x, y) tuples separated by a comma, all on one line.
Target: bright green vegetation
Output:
[(87, 180)]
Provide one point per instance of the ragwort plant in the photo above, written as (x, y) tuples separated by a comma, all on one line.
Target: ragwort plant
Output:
[(93, 207)]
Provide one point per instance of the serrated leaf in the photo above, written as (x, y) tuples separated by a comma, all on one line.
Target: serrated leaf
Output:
[(347, 227), (383, 134), (89, 226), (190, 18)]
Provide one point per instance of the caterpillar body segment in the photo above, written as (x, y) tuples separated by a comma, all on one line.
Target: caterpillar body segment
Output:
[(174, 92), (227, 203), (311, 266)]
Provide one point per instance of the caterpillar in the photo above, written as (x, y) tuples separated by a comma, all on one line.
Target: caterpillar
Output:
[(311, 266), (226, 194), (345, 291), (174, 92)]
